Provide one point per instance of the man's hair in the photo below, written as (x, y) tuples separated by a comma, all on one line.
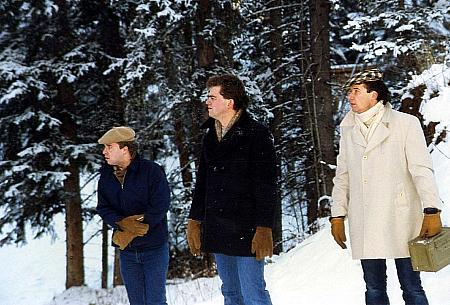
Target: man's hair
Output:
[(132, 147), (231, 87), (380, 87)]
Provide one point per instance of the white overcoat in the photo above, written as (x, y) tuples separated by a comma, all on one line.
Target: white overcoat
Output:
[(383, 185)]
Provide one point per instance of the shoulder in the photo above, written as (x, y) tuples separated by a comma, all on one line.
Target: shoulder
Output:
[(149, 165), (105, 170), (251, 124), (404, 118), (348, 120)]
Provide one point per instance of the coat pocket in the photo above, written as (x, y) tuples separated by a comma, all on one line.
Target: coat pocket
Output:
[(401, 199)]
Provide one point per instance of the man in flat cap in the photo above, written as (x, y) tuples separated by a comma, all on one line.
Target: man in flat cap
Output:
[(384, 186), (133, 198)]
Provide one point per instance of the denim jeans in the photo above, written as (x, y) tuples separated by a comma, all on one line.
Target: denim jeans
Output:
[(144, 275), (242, 280), (375, 277)]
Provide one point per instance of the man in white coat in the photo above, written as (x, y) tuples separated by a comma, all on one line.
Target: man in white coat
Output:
[(385, 186)]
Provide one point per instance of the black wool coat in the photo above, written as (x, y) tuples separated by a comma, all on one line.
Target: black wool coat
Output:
[(236, 186)]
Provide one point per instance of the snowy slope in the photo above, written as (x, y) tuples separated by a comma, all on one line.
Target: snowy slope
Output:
[(316, 272)]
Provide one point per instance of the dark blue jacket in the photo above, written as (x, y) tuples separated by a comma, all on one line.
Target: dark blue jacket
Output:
[(236, 186), (145, 191)]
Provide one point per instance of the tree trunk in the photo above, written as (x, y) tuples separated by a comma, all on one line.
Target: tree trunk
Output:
[(66, 107), (322, 104), (117, 277), (104, 255), (205, 55), (74, 230), (276, 45)]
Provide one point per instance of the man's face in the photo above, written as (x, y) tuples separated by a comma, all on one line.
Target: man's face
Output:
[(361, 100), (217, 105), (114, 155)]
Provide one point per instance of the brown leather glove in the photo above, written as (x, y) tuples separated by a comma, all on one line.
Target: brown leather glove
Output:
[(193, 236), (133, 224), (262, 243), (123, 238), (431, 225), (338, 231)]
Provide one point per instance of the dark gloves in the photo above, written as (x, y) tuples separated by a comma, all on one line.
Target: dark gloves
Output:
[(123, 238), (262, 243), (133, 224), (193, 236), (338, 231), (431, 225)]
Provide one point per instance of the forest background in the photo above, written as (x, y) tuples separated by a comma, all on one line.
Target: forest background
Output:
[(72, 69)]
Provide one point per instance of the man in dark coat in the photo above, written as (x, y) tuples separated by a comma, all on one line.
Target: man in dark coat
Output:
[(133, 198), (232, 212)]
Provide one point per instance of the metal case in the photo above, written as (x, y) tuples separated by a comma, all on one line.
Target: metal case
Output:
[(430, 254)]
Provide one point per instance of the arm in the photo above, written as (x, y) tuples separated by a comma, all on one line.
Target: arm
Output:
[(198, 202), (420, 165), (159, 197), (105, 209), (340, 193), (263, 166)]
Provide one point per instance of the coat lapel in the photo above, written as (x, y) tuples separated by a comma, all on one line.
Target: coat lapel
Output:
[(218, 150), (357, 136), (382, 131), (380, 134)]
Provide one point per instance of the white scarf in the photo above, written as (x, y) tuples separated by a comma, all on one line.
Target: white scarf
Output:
[(369, 119)]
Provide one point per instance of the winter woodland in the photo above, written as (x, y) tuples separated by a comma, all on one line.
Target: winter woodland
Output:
[(72, 69)]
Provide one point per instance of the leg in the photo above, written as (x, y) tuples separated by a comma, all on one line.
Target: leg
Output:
[(410, 283), (253, 285), (228, 273), (375, 277), (155, 264), (133, 277)]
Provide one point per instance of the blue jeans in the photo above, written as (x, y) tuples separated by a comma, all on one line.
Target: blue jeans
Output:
[(242, 280), (375, 277), (144, 275)]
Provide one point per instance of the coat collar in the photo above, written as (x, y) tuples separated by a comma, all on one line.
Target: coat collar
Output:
[(380, 134), (134, 165), (217, 150)]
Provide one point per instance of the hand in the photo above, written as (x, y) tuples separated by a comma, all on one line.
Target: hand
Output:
[(123, 238), (193, 236), (338, 231), (431, 225), (133, 224), (262, 243)]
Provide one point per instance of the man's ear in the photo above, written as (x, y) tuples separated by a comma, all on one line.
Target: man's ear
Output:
[(125, 149), (230, 103), (374, 95)]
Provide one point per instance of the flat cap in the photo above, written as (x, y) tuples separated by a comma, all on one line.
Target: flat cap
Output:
[(369, 75), (117, 134)]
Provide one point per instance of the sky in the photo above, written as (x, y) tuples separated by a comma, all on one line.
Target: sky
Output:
[(315, 272)]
